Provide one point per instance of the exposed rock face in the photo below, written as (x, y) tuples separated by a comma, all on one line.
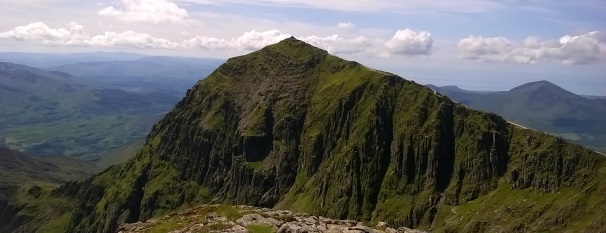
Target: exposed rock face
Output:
[(9, 218), (293, 127), (213, 218)]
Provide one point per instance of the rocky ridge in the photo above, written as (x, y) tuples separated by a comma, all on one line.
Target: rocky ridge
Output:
[(244, 219)]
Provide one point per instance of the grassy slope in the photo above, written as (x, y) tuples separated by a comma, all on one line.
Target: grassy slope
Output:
[(27, 182), (120, 154), (17, 169)]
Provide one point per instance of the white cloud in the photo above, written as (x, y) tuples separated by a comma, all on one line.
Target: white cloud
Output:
[(582, 49), (131, 39), (154, 11), (338, 45), (408, 42), (346, 25), (73, 35), (404, 42), (252, 40)]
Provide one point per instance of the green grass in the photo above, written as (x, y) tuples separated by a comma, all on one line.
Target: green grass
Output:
[(212, 228), (256, 165), (59, 224), (230, 212), (257, 121), (164, 227), (120, 154), (261, 229)]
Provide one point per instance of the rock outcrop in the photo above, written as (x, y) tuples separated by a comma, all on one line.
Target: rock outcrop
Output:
[(244, 219)]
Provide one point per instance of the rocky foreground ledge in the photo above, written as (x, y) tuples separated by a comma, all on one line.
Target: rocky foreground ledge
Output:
[(221, 218)]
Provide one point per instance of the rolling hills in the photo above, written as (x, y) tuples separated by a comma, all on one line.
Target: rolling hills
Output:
[(45, 60), (51, 113), (150, 73), (17, 169), (25, 178), (86, 105)]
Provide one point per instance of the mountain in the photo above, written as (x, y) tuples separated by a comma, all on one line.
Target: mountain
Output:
[(544, 106), (26, 178), (52, 113), (454, 89), (594, 97), (293, 127), (17, 169), (147, 73), (44, 60)]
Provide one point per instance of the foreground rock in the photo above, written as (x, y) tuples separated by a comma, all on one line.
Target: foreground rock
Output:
[(219, 218)]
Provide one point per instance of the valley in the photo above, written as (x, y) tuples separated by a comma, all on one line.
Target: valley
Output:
[(84, 114)]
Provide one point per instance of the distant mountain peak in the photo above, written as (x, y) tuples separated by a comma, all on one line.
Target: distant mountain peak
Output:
[(536, 85), (542, 88)]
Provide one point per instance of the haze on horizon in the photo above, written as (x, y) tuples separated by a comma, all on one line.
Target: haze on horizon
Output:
[(474, 44)]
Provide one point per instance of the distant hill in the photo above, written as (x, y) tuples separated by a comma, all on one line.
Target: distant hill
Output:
[(594, 97), (51, 113), (27, 179), (17, 169), (43, 60), (147, 73), (543, 106)]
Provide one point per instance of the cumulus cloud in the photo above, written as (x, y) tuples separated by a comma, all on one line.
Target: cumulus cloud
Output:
[(73, 35), (346, 25), (338, 45), (581, 49), (252, 40), (255, 40), (131, 39), (408, 42), (155, 11), (405, 42)]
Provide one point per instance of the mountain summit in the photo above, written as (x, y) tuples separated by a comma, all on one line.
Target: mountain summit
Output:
[(544, 90), (293, 127), (543, 106)]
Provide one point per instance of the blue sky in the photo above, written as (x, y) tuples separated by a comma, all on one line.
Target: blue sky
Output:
[(475, 44)]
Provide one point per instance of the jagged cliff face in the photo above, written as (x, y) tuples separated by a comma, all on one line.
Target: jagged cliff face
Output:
[(293, 127)]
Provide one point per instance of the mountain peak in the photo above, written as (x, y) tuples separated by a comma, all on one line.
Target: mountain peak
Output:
[(294, 48), (536, 85), (542, 87)]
